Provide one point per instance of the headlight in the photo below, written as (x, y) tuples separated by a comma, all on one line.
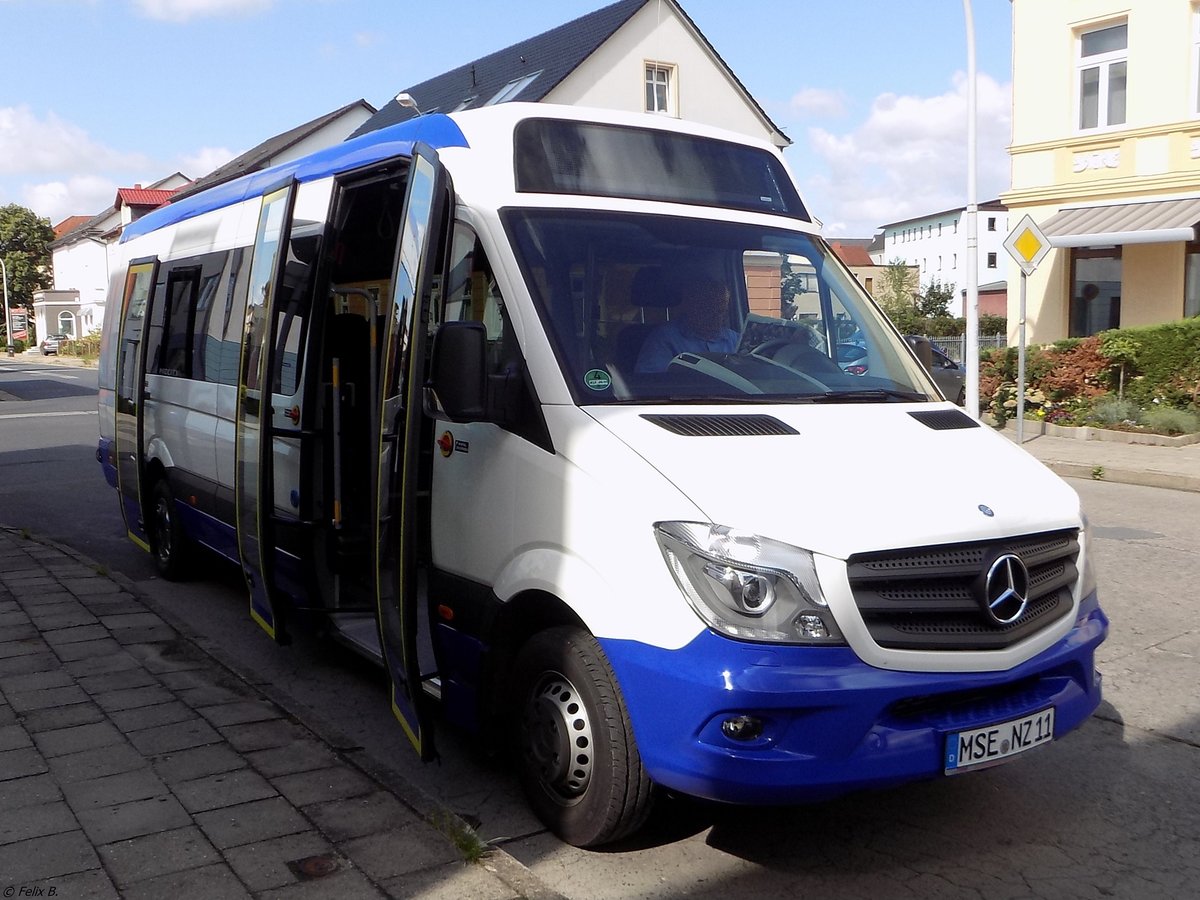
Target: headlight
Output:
[(1087, 575), (748, 586)]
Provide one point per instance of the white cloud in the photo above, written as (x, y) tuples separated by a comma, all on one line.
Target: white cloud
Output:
[(30, 145), (198, 164), (84, 195), (184, 10), (818, 102), (909, 157)]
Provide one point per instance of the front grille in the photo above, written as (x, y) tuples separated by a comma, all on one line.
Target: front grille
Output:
[(934, 598)]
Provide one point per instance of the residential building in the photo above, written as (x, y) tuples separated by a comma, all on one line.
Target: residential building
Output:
[(323, 131), (855, 253), (1106, 160), (633, 55), (80, 259), (937, 245)]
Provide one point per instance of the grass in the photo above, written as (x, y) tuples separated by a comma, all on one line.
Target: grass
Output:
[(464, 838)]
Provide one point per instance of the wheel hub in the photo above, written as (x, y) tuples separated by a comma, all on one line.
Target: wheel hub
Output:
[(163, 518), (558, 737)]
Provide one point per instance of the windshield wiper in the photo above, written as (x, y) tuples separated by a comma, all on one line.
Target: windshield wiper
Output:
[(869, 395)]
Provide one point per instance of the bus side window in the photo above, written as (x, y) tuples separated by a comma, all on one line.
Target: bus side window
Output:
[(472, 295), (175, 352)]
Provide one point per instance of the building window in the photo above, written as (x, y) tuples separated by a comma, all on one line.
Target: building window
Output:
[(1196, 62), (1095, 291), (869, 284), (939, 264), (991, 223), (1191, 282), (954, 262), (66, 324), (956, 226), (991, 260), (1103, 68), (660, 88), (939, 229)]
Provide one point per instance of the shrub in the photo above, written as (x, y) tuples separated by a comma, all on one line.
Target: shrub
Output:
[(1171, 421), (1115, 411), (1077, 369)]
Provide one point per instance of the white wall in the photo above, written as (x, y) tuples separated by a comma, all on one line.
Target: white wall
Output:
[(82, 267), (614, 76)]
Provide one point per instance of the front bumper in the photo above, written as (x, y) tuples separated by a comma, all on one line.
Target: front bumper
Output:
[(831, 723)]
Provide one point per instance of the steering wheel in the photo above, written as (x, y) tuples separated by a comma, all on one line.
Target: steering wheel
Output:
[(798, 357)]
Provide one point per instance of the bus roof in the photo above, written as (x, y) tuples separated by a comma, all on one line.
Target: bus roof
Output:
[(395, 141)]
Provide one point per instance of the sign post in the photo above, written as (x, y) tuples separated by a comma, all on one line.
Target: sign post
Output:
[(1028, 246)]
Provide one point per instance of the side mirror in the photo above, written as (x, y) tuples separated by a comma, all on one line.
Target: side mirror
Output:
[(457, 386), (923, 349)]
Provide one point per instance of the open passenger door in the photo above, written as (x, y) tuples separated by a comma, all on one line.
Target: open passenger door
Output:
[(254, 486), (129, 447), (397, 431)]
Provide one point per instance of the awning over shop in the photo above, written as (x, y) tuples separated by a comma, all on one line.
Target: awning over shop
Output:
[(1157, 222)]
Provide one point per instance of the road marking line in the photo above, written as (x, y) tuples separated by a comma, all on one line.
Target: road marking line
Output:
[(44, 415)]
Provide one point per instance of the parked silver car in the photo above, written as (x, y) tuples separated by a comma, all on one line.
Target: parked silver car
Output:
[(51, 343), (948, 375)]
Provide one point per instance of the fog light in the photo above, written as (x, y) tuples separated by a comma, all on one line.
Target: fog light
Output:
[(742, 728), (811, 625)]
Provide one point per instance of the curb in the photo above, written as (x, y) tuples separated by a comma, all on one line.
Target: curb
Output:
[(1176, 482), (495, 860)]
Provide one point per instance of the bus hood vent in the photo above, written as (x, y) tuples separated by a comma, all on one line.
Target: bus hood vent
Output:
[(945, 419), (721, 426)]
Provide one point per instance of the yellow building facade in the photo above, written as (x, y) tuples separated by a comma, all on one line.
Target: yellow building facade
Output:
[(1105, 158)]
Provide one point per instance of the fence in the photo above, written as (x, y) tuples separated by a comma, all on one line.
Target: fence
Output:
[(955, 347)]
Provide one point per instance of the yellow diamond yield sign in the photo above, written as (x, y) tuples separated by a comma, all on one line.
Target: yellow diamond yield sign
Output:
[(1027, 245)]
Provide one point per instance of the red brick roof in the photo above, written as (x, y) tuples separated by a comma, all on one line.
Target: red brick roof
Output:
[(70, 223), (852, 254), (141, 197)]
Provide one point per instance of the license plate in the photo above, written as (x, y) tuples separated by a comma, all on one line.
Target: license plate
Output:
[(984, 746)]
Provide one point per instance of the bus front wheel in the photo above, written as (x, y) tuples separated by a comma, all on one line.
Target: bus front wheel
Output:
[(168, 543), (575, 751)]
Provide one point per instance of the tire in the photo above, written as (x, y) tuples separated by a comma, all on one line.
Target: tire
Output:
[(168, 543), (573, 744)]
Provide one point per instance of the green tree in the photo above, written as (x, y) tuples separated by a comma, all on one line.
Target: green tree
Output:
[(934, 302), (899, 286), (24, 246)]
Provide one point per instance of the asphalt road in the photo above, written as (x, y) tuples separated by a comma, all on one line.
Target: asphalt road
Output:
[(1112, 810)]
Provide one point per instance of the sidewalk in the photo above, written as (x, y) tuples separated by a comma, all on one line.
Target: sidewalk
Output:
[(134, 765), (1177, 468)]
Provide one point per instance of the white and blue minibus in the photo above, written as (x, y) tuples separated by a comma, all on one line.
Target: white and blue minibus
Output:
[(542, 408)]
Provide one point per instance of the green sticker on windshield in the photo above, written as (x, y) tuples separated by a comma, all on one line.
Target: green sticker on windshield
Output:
[(597, 380)]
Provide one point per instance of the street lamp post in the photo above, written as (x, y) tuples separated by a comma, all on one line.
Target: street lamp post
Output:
[(971, 313), (7, 311)]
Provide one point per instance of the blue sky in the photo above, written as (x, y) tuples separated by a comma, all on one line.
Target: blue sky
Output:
[(101, 94)]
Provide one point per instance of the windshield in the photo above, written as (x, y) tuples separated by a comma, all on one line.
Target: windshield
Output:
[(654, 309)]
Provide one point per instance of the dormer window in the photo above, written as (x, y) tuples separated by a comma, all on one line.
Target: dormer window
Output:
[(513, 88), (660, 88)]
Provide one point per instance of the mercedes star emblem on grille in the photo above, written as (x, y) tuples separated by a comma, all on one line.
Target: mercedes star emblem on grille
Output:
[(1007, 589)]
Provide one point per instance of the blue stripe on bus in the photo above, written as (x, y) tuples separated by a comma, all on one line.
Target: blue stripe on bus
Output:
[(437, 131)]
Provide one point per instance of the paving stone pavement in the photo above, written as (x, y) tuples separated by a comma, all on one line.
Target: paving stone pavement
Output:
[(134, 765)]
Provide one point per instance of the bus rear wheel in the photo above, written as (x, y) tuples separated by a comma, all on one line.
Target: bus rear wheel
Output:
[(574, 746), (168, 543)]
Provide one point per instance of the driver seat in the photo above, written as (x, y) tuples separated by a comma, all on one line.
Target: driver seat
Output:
[(649, 288)]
